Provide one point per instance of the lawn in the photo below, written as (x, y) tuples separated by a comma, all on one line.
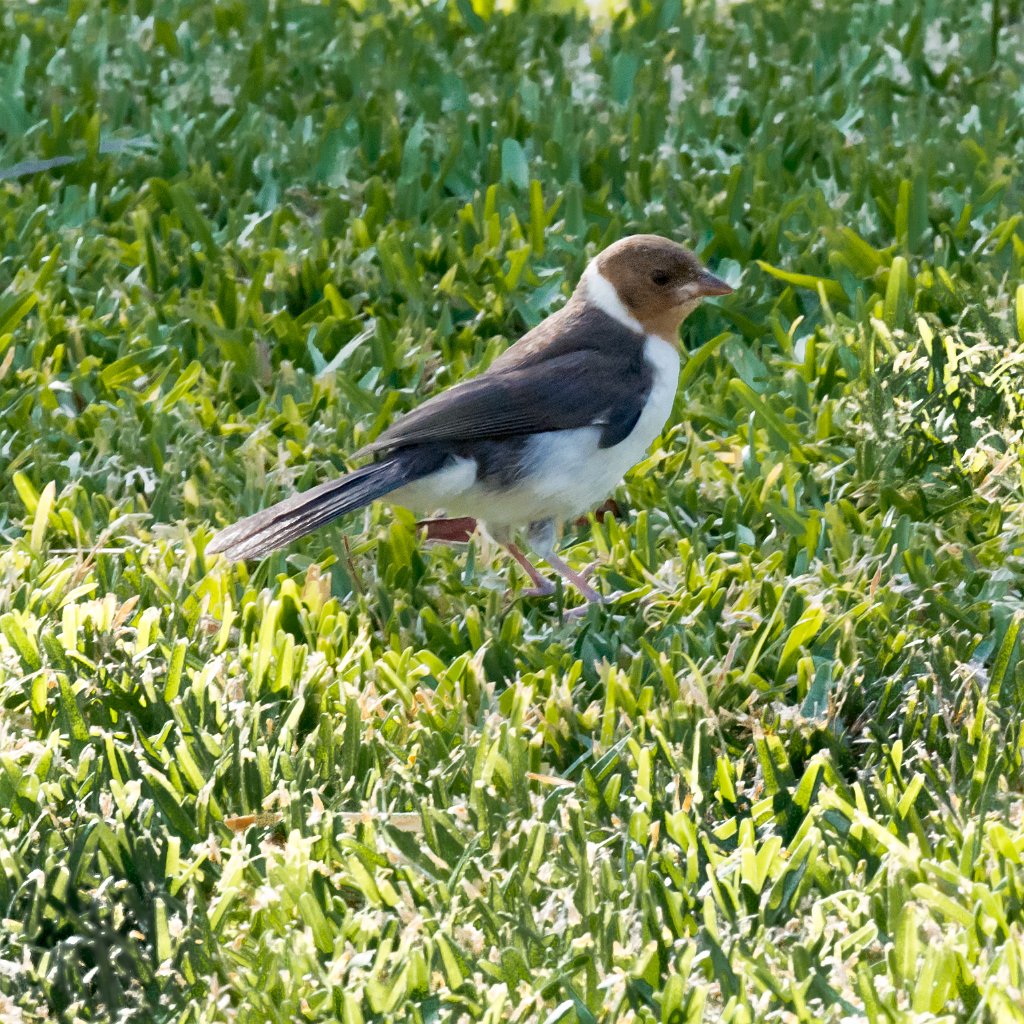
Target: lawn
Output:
[(780, 780)]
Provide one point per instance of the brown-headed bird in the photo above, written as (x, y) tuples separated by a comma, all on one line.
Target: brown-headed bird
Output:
[(545, 433)]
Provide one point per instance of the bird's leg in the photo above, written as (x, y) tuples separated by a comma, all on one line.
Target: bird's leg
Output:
[(578, 580), (542, 539), (542, 585)]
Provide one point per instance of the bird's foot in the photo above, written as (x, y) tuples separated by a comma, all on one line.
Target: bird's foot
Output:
[(546, 590), (581, 611), (577, 579), (542, 586)]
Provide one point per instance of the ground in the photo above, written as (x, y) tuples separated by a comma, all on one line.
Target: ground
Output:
[(779, 779)]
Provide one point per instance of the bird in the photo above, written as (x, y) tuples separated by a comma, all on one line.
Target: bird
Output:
[(543, 434)]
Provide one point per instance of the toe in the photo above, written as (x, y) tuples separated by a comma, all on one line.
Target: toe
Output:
[(580, 611)]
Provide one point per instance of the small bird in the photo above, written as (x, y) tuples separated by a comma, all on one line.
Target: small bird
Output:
[(543, 434)]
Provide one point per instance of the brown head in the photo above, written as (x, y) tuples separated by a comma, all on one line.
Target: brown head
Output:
[(657, 281)]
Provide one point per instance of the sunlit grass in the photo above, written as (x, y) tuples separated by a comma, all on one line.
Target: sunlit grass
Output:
[(781, 780)]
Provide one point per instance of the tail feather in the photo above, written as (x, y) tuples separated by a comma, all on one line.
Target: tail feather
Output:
[(274, 527)]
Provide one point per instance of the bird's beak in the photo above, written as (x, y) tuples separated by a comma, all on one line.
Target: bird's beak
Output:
[(708, 284)]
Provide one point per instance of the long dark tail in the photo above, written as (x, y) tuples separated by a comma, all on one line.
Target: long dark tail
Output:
[(302, 513)]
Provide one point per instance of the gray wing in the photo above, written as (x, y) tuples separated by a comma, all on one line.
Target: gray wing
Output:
[(576, 389)]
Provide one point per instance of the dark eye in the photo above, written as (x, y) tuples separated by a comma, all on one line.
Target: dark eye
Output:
[(660, 278)]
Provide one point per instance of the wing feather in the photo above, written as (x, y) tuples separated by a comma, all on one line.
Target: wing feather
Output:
[(572, 390)]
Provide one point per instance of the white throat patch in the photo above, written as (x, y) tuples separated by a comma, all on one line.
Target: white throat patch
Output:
[(601, 292)]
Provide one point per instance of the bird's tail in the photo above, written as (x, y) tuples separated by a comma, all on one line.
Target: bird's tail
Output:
[(266, 531)]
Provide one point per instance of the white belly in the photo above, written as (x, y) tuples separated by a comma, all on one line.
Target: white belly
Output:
[(567, 473)]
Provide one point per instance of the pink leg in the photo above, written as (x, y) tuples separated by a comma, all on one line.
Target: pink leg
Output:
[(578, 580), (542, 585)]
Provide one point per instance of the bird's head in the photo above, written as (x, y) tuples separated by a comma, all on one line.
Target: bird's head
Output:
[(655, 281)]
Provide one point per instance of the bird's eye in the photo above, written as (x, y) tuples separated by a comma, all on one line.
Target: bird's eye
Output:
[(660, 278)]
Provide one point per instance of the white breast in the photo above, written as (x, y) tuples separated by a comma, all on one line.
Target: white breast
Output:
[(597, 471), (663, 358), (568, 473)]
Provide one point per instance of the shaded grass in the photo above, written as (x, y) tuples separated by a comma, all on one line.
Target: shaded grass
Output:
[(780, 781)]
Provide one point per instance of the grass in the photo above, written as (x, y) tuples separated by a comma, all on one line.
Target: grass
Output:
[(781, 780)]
